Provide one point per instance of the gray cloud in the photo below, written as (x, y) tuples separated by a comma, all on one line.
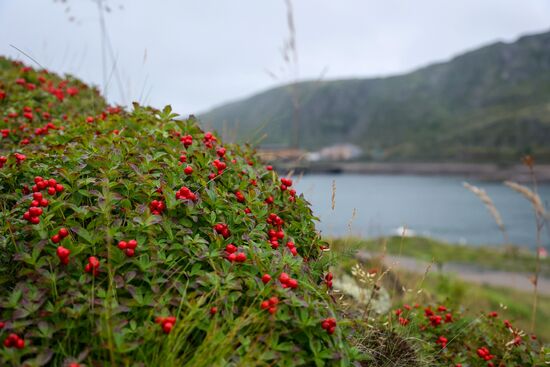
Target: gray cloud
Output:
[(203, 53)]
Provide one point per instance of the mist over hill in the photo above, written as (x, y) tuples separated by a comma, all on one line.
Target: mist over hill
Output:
[(490, 104)]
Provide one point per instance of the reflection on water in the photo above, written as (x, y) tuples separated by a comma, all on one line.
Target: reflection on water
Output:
[(438, 207)]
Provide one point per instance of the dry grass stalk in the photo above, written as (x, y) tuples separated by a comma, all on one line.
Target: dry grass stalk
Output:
[(529, 195), (541, 217), (484, 197), (333, 198)]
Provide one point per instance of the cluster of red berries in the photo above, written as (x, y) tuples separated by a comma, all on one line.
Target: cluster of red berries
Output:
[(223, 229), (20, 158), (61, 234), (285, 183), (45, 129), (92, 266), (292, 194), (274, 220), (329, 324), (484, 353), (221, 152), (184, 193), (328, 280), (35, 211), (209, 139), (186, 140), (274, 237), (442, 341), (292, 248), (233, 255), (402, 320), (220, 167), (167, 323), (240, 197), (129, 247), (14, 341), (270, 305), (436, 320), (287, 281), (157, 207), (63, 255), (50, 185)]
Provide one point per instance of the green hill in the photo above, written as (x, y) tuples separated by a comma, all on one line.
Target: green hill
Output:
[(490, 104)]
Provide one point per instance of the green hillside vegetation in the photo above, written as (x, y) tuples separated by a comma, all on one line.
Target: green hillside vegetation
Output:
[(491, 104)]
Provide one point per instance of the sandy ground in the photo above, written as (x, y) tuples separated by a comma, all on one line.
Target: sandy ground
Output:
[(469, 273)]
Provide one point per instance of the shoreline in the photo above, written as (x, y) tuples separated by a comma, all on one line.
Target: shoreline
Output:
[(478, 171)]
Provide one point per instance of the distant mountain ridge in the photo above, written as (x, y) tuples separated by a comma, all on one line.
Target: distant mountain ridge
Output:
[(490, 104)]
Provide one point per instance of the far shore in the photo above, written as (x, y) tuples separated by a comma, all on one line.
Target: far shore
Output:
[(479, 171)]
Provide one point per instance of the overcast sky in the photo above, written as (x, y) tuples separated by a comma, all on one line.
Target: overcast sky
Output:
[(195, 54)]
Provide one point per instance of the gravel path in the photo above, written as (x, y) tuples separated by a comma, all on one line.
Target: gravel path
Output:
[(469, 273)]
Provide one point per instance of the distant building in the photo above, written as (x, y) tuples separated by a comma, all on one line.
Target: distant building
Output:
[(338, 152)]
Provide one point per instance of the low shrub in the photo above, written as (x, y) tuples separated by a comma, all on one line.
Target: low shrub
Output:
[(134, 238)]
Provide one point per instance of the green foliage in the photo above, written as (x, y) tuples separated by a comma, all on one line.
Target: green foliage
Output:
[(451, 338), (485, 105), (508, 258), (113, 165)]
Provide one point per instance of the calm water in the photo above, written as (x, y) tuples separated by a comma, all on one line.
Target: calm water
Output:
[(438, 207)]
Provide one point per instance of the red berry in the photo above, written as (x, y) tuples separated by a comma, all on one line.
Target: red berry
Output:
[(35, 211), (63, 232), (293, 283), (188, 170), (51, 190), (129, 252), (56, 238), (266, 278), (167, 327), (230, 248), (213, 310), (44, 203), (265, 305), (284, 278), (272, 310), (62, 252), (232, 257), (241, 257), (132, 244), (122, 245)]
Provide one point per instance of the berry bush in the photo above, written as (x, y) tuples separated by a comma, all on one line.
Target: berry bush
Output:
[(133, 238)]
